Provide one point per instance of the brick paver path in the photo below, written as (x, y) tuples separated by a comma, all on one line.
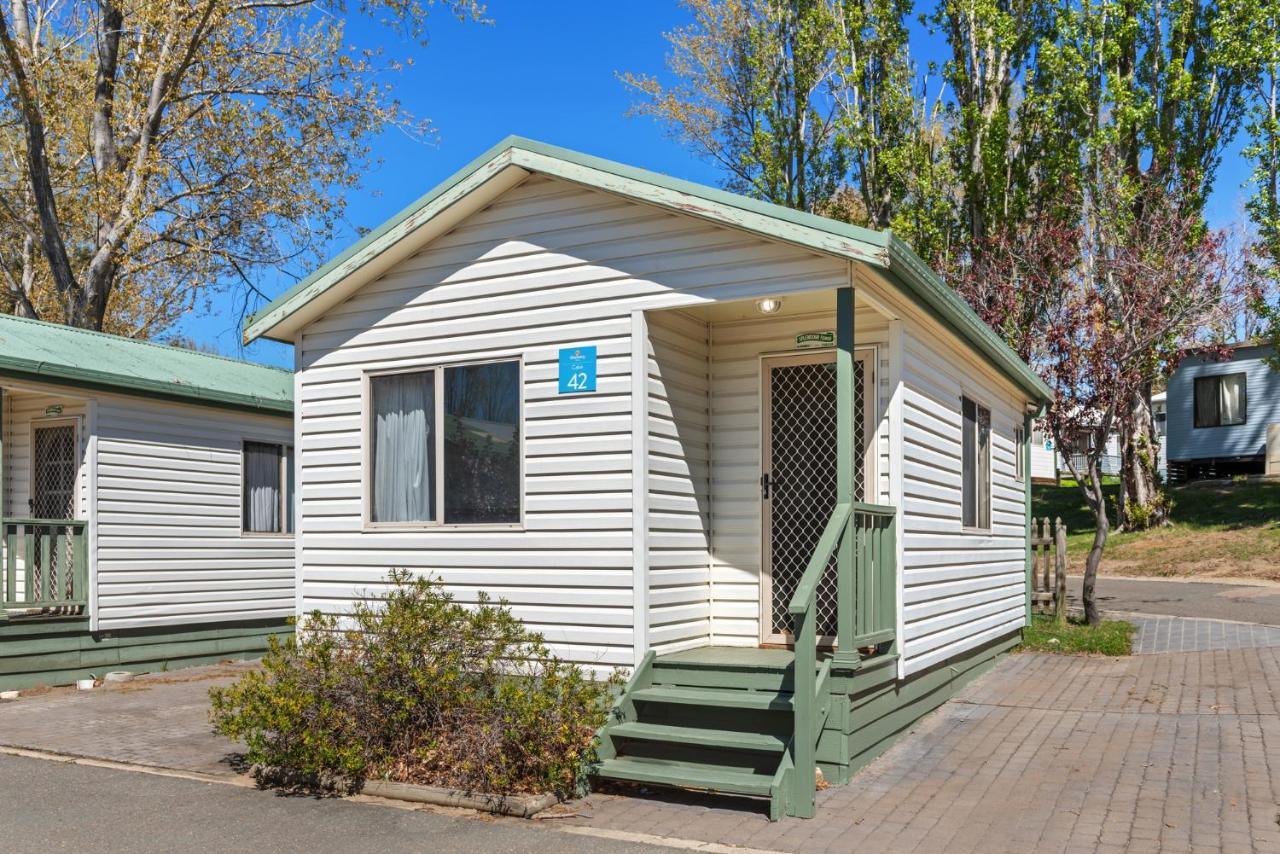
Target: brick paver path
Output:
[(161, 719), (1170, 752), (1173, 752)]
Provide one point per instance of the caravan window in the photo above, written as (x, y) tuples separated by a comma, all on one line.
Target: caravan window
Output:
[(444, 445), (1221, 401)]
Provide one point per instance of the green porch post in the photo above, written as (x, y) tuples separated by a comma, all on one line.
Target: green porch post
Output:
[(1025, 450), (845, 461)]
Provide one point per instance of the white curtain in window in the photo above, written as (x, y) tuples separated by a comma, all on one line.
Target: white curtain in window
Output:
[(403, 413), (1231, 399), (262, 488)]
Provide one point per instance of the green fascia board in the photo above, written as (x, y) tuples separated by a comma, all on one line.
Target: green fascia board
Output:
[(949, 307), (36, 351), (881, 249)]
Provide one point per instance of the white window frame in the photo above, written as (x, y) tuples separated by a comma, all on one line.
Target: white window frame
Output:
[(285, 476), (1019, 453), (980, 404), (366, 448)]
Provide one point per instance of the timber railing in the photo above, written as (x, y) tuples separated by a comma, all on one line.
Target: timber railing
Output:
[(1048, 567), (44, 567), (863, 537)]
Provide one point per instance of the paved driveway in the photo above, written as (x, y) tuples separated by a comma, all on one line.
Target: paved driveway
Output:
[(1168, 751)]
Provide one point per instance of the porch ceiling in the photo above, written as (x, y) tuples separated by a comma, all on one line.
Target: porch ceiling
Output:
[(793, 305)]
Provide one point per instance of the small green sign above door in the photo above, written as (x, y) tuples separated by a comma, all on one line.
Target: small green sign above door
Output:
[(805, 340)]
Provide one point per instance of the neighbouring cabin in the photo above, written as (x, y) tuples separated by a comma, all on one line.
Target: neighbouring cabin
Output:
[(766, 462), (1218, 413), (147, 505)]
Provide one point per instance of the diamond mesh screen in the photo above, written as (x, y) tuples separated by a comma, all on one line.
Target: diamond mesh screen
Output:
[(53, 482), (802, 471)]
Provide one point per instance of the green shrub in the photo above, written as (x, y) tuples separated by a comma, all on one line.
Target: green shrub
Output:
[(417, 688)]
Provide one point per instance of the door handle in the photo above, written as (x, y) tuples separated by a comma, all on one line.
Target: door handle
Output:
[(764, 486)]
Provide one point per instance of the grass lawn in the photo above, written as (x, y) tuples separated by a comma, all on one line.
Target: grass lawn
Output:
[(1218, 531), (1111, 637)]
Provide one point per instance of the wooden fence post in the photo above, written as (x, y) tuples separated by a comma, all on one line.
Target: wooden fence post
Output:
[(1060, 560)]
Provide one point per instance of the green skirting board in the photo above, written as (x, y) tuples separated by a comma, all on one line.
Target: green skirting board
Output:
[(58, 652), (880, 709)]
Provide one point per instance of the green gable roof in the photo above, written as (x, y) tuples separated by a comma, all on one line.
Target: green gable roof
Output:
[(49, 352), (880, 249)]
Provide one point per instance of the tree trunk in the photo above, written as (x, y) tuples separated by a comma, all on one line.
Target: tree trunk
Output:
[(1091, 565), (1138, 457), (1101, 527)]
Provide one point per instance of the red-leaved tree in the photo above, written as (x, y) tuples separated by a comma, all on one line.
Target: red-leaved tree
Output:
[(1148, 284), (1100, 311)]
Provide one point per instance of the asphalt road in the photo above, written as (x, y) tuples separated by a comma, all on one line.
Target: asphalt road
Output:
[(57, 806), (1240, 602)]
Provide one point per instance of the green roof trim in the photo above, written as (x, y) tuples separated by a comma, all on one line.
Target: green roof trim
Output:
[(48, 352), (877, 248)]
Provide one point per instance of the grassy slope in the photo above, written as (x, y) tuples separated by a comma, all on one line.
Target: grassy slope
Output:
[(1217, 531)]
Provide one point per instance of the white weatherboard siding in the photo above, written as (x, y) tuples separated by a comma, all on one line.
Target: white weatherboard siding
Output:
[(679, 500), (169, 547), (548, 265), (961, 587)]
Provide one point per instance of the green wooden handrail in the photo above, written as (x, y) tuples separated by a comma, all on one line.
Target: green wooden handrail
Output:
[(807, 590), (805, 700), (873, 533)]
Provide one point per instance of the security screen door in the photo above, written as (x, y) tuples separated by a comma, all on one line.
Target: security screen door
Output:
[(53, 471), (798, 480)]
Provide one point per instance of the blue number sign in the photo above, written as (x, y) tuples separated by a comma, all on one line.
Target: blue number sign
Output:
[(577, 370)]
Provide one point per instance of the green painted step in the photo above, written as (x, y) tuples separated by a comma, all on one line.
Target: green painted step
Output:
[(767, 701), (688, 775), (727, 739)]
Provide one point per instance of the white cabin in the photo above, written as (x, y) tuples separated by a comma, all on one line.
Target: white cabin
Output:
[(632, 407), (147, 507)]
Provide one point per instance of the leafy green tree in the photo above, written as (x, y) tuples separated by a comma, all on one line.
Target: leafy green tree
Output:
[(1263, 127), (810, 104), (752, 79)]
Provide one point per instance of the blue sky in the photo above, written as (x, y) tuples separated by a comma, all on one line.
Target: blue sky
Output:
[(543, 70)]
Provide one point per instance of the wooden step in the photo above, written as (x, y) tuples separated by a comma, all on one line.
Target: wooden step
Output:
[(764, 700), (686, 775), (719, 738)]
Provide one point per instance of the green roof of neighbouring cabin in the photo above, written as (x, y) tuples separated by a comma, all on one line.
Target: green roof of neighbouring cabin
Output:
[(35, 350), (507, 162)]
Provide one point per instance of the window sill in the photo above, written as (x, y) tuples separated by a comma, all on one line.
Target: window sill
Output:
[(425, 527)]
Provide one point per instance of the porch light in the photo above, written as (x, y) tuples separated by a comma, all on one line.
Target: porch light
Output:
[(768, 305)]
